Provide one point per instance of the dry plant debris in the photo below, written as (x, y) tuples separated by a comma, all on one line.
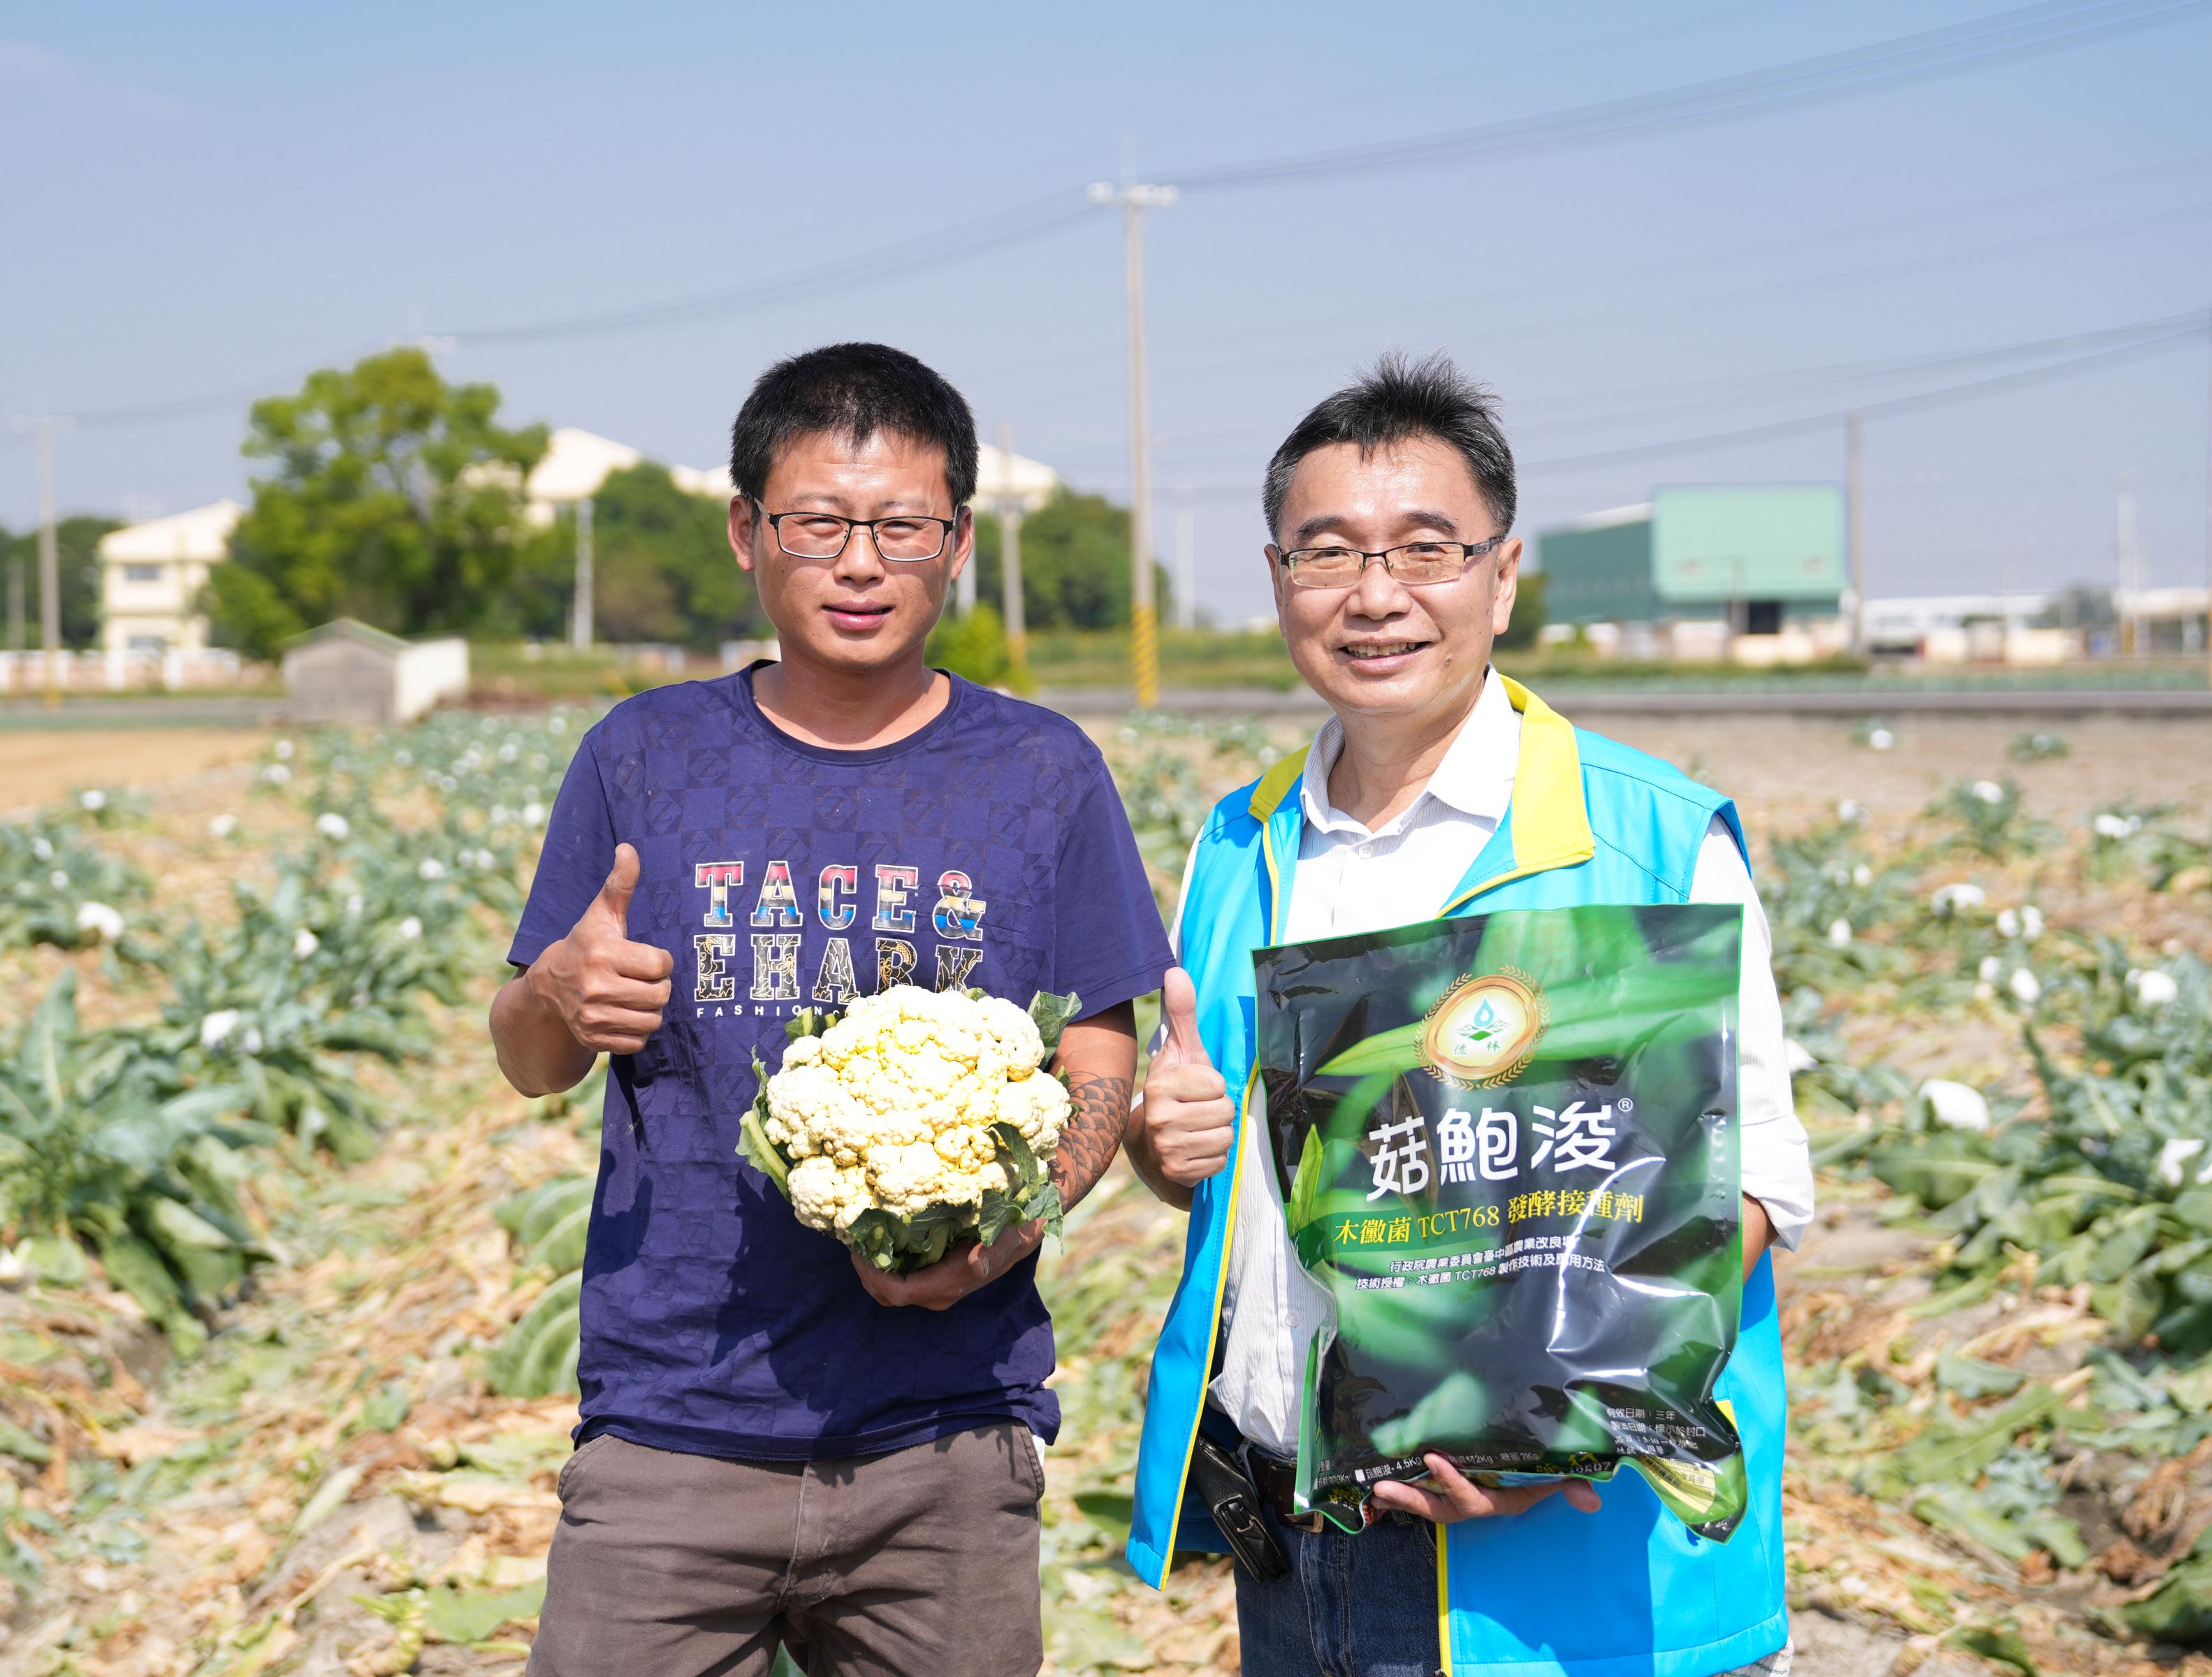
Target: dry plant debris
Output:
[(336, 1452)]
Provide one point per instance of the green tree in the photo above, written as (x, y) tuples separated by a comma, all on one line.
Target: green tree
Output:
[(662, 564), (76, 542), (1075, 564), (18, 569), (975, 646), (2079, 605), (392, 497)]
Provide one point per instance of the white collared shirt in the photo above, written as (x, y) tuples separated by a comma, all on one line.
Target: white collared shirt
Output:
[(1350, 879)]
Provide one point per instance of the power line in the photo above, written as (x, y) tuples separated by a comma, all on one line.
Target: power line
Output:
[(184, 406), (1915, 263), (2000, 37), (1782, 380), (1778, 384), (1933, 54), (1018, 224), (1641, 272), (959, 242), (2153, 335), (1789, 285), (1956, 49), (1798, 285), (2157, 331), (150, 412), (2196, 327)]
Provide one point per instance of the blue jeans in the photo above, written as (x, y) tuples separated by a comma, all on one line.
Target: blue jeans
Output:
[(1360, 1606), (1353, 1607)]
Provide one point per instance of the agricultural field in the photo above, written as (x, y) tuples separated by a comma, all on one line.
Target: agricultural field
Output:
[(288, 1277), (39, 766)]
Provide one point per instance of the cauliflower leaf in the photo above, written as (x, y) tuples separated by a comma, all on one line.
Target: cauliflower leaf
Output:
[(752, 1140)]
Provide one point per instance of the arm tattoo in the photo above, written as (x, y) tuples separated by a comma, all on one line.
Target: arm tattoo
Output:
[(1093, 1131)]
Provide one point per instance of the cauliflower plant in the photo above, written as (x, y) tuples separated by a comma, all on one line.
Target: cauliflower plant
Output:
[(920, 1118)]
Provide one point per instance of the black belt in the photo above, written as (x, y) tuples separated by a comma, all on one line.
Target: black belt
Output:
[(1277, 1482)]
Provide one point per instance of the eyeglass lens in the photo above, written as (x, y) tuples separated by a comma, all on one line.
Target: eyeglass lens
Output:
[(1419, 563), (820, 536)]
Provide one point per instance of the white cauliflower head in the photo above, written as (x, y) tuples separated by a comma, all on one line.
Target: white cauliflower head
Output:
[(808, 1112), (1037, 1107), (824, 1196), (909, 1178), (893, 1106), (1015, 1032)]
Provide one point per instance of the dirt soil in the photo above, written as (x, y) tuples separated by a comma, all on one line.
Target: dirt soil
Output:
[(39, 766), (1794, 770), (396, 1274)]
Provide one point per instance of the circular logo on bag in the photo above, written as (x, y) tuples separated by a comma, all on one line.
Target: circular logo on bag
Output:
[(1483, 1031)]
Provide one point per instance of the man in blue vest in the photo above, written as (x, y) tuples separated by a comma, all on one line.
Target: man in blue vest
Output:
[(1439, 786)]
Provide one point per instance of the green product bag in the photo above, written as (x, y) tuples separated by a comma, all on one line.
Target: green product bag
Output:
[(1507, 1149)]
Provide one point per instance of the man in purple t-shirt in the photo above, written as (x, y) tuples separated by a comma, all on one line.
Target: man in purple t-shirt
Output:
[(781, 1445)]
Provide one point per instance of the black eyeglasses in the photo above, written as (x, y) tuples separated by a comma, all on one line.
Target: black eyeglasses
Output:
[(1415, 563), (907, 539)]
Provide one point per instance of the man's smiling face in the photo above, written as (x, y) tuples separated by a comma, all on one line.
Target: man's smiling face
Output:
[(858, 611), (1377, 647)]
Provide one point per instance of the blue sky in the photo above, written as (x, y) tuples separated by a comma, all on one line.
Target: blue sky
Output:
[(206, 199)]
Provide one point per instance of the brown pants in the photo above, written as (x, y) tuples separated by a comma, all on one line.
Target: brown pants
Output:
[(919, 1562)]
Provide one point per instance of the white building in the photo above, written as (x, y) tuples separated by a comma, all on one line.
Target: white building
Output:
[(2017, 628), (1902, 623), (577, 462), (151, 575), (1001, 477)]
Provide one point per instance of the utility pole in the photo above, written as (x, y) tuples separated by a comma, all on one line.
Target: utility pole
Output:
[(2125, 534), (1144, 622), (2205, 645), (2006, 576), (1186, 562), (50, 565), (1855, 522), (15, 604), (580, 618), (1010, 556)]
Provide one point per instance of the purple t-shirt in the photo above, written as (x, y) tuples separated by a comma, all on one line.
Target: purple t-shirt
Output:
[(988, 848)]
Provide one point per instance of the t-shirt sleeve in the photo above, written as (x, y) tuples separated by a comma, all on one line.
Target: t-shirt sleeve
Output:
[(578, 854), (1108, 944)]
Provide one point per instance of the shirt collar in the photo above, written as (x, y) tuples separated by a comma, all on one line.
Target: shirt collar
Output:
[(1475, 777)]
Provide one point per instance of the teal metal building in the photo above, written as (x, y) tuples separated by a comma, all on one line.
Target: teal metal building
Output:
[(1758, 556)]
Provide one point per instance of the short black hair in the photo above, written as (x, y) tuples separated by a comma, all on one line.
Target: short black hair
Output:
[(853, 390), (1399, 400)]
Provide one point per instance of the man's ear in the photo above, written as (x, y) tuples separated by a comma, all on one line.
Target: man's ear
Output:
[(963, 542), (1277, 578), (743, 525), (1509, 586)]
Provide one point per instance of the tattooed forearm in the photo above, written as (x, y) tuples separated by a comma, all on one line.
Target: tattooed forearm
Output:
[(1098, 1055), (1094, 1130)]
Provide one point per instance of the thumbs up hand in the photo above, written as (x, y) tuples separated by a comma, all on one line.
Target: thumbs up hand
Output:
[(1186, 1121), (607, 991)]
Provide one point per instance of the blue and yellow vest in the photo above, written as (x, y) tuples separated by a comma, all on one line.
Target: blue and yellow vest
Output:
[(1628, 1591)]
